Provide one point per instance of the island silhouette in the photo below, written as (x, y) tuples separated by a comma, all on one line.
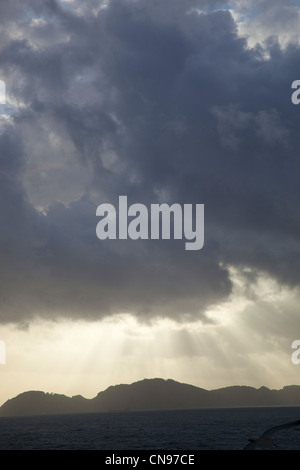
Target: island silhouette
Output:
[(149, 394)]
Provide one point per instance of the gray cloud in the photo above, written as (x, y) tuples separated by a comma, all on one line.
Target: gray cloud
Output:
[(262, 20), (152, 100)]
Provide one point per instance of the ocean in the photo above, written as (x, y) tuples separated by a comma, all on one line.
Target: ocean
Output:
[(201, 429)]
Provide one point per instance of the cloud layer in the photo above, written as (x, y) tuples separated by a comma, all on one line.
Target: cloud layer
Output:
[(160, 101)]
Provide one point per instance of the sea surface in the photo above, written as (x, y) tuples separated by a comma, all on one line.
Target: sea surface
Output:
[(204, 429)]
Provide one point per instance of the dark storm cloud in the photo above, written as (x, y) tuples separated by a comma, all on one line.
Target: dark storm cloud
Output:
[(159, 102)]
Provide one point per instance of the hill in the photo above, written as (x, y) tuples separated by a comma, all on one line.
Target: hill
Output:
[(149, 394)]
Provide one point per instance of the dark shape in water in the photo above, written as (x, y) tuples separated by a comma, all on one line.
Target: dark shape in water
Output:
[(265, 440)]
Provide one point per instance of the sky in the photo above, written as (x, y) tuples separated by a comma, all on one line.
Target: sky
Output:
[(163, 101)]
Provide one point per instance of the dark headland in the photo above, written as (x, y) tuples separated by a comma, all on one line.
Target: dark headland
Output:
[(149, 394)]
